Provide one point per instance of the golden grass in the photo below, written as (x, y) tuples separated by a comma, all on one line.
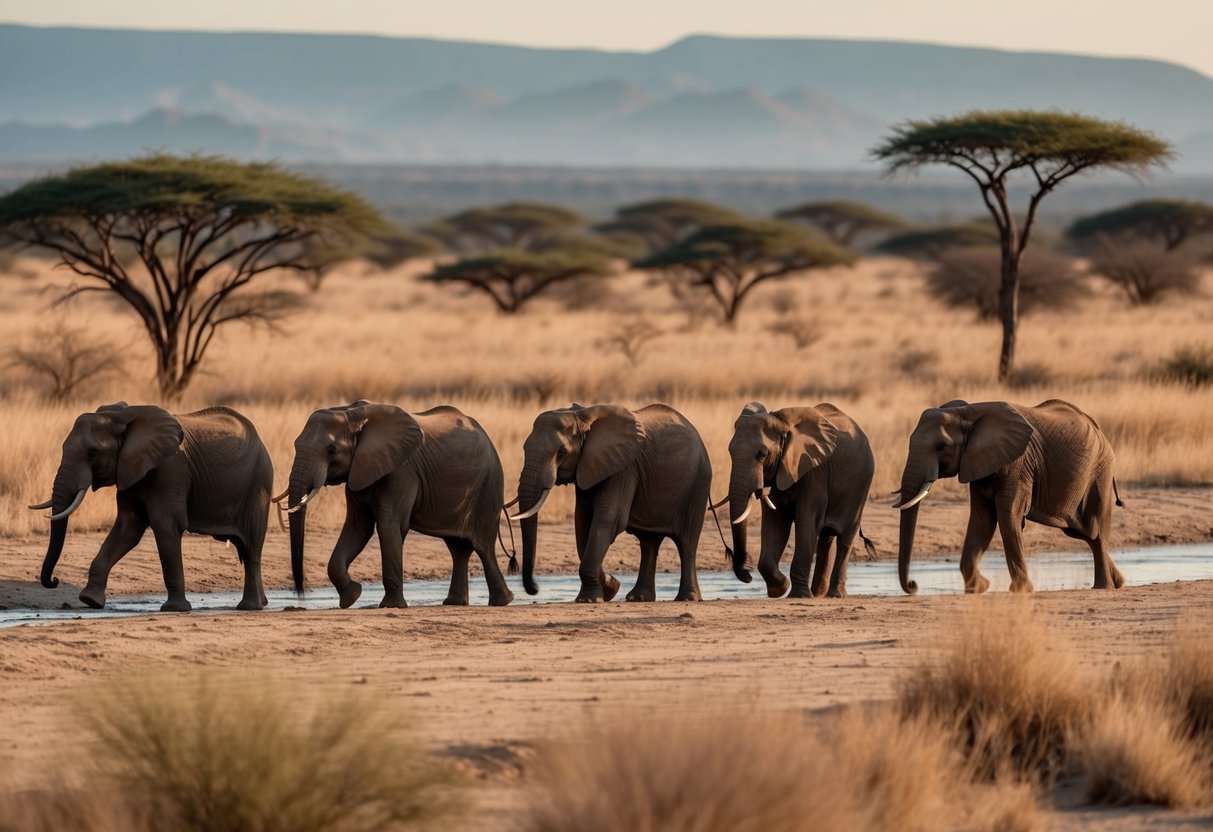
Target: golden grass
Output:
[(886, 351), (707, 772)]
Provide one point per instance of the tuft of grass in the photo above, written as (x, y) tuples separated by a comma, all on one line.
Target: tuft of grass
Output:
[(1190, 365), (200, 754), (1008, 688), (863, 770)]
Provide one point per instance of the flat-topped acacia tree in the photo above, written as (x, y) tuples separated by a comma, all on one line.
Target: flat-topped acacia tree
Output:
[(513, 225), (731, 260), (843, 220), (660, 223), (1171, 222), (1041, 149), (180, 240)]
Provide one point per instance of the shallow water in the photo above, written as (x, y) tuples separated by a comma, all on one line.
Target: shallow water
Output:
[(1069, 570)]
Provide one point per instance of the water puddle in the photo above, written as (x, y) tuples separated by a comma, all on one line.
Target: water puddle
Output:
[(1069, 570)]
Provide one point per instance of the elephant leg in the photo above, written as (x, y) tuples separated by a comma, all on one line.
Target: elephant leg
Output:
[(461, 553), (838, 575), (818, 586), (983, 520), (391, 552), (499, 592), (776, 528), (355, 534), (254, 596), (1010, 524), (168, 545), (596, 584), (807, 536), (646, 581), (688, 581), (1107, 576), (125, 535)]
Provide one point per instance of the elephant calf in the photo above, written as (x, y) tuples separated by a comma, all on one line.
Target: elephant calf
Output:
[(645, 472), (435, 472), (1050, 464), (204, 472), (817, 464)]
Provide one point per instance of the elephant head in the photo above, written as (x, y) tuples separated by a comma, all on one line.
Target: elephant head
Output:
[(582, 445), (117, 445), (357, 444), (969, 441), (772, 449)]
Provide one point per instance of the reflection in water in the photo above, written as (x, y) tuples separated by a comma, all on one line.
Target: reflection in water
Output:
[(1070, 570)]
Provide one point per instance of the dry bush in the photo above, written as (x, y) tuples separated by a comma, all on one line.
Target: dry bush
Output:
[(1009, 689), (241, 754), (65, 360), (68, 807), (970, 279), (1137, 750), (1146, 272), (866, 770), (630, 338), (1190, 365), (1188, 681), (803, 330)]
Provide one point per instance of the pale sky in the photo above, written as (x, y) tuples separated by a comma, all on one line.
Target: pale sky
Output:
[(1173, 30)]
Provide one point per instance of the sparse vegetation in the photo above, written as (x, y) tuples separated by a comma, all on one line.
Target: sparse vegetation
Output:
[(629, 339), (1189, 364), (66, 360), (512, 277), (843, 221), (969, 278), (1168, 223), (1145, 271), (514, 225)]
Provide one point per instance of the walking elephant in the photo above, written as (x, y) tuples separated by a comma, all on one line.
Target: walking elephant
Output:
[(1050, 464), (435, 472), (812, 468), (205, 472), (645, 472)]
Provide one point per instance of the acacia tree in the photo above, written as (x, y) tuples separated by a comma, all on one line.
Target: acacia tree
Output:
[(512, 276), (660, 223), (387, 250), (842, 220), (992, 147), (1170, 222), (933, 242), (518, 225), (180, 240), (729, 261)]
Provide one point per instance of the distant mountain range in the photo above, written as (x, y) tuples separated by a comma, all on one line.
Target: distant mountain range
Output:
[(704, 101)]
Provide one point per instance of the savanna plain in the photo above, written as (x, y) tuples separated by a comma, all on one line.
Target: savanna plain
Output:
[(1059, 710)]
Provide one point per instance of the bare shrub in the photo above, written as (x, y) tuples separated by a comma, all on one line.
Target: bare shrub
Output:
[(538, 387), (1007, 687), (1146, 272), (1032, 374), (1190, 365), (65, 360), (865, 770), (915, 362), (198, 754), (629, 338), (969, 278), (804, 331)]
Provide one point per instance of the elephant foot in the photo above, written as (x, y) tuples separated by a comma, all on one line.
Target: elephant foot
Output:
[(1118, 580), (396, 602), (1021, 586), (176, 605), (500, 599), (798, 592), (837, 592), (351, 593), (582, 598), (777, 589), (247, 605), (265, 602), (610, 587), (692, 595), (642, 595), (94, 598), (978, 585), (453, 601)]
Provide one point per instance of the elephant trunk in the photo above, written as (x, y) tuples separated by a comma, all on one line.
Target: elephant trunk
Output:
[(742, 485), (307, 474), (65, 498), (534, 484), (914, 484)]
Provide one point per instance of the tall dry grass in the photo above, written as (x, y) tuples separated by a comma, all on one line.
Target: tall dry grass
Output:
[(883, 351)]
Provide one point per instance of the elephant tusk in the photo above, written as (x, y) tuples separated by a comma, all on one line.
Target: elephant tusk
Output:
[(533, 510), (766, 498), (281, 496), (41, 506), (75, 505), (714, 506), (916, 499), (744, 514), (305, 500), (511, 503)]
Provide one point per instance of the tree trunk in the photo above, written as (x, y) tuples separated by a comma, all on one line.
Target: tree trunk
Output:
[(1008, 312)]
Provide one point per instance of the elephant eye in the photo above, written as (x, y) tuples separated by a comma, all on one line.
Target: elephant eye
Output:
[(760, 456), (561, 453), (332, 449)]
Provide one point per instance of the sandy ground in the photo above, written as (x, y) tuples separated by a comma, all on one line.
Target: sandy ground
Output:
[(482, 686), (1152, 517)]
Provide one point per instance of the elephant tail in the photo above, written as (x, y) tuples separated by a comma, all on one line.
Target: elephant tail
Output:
[(1116, 491), (512, 567), (868, 545), (728, 552)]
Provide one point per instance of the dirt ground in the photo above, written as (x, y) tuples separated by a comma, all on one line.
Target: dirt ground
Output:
[(1152, 517)]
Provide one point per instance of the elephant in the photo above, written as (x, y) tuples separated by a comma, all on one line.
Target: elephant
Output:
[(205, 472), (1050, 464), (645, 472), (812, 467), (435, 472)]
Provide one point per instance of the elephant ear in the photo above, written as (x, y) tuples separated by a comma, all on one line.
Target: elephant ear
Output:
[(611, 443), (387, 437), (953, 404), (150, 435), (753, 409), (809, 442), (998, 437)]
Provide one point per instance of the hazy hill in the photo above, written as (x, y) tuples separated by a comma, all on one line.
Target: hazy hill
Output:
[(700, 101)]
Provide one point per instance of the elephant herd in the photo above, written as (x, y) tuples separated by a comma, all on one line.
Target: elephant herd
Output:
[(645, 472)]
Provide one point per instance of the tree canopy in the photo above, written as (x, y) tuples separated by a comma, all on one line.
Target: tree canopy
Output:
[(843, 220), (662, 222), (730, 260), (517, 225), (992, 146), (930, 243), (1170, 222), (180, 240)]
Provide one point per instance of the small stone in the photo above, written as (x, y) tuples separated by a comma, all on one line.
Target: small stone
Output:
[(686, 615)]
